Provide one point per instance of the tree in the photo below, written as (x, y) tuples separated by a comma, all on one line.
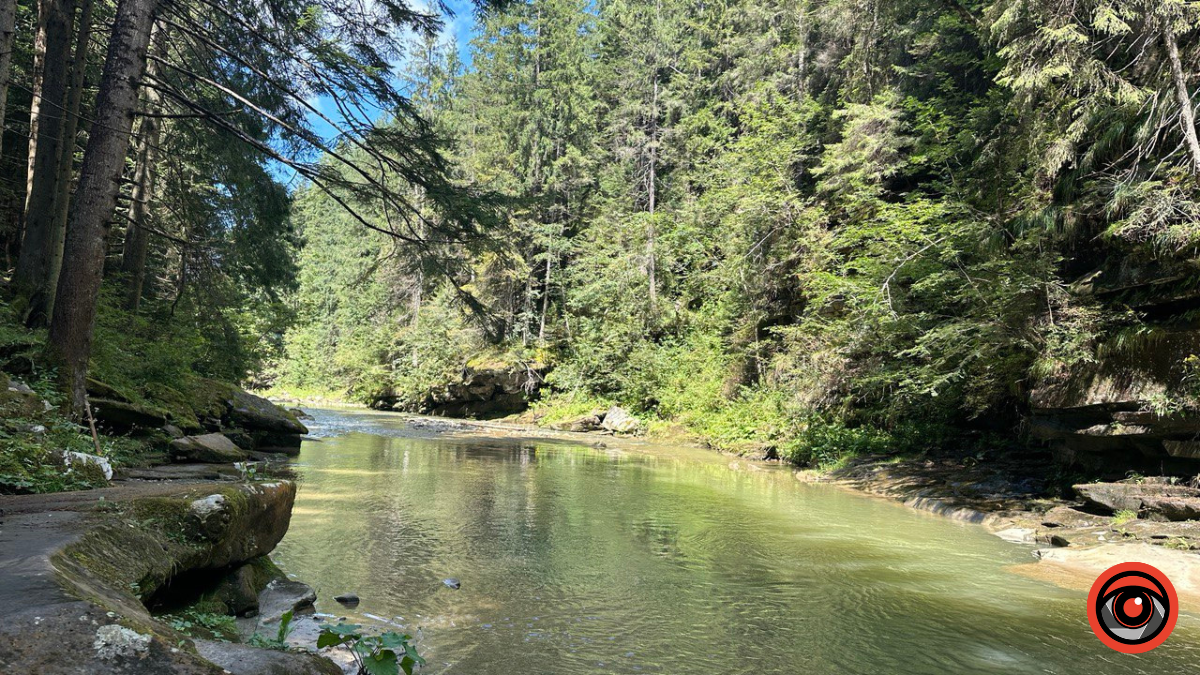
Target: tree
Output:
[(67, 146), (8, 18), (96, 197), (52, 57), (137, 236)]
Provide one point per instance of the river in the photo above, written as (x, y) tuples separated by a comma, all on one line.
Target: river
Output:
[(580, 560)]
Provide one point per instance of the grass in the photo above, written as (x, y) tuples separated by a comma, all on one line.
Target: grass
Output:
[(559, 407), (1123, 516), (1178, 544)]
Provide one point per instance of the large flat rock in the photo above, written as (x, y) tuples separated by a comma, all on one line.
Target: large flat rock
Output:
[(245, 660), (207, 449), (1173, 502), (72, 566)]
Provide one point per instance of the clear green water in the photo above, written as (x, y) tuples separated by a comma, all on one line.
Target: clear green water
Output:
[(580, 560)]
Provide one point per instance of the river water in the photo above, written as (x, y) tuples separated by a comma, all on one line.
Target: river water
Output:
[(574, 560)]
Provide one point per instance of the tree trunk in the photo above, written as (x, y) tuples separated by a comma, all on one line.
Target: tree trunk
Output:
[(652, 200), (137, 240), (8, 28), (53, 52), (1187, 116), (96, 198), (66, 162), (545, 297)]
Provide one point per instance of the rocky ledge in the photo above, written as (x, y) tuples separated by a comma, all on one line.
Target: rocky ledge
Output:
[(1017, 498), (483, 391), (213, 422), (1132, 406), (82, 568)]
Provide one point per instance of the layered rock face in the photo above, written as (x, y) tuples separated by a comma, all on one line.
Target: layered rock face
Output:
[(1129, 410), (249, 422), (479, 392)]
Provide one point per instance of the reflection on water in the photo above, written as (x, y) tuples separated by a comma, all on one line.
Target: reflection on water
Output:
[(579, 560)]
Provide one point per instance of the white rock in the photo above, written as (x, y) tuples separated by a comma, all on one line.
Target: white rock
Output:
[(209, 505), (70, 458), (115, 641)]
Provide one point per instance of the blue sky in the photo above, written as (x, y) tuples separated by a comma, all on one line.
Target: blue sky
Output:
[(460, 27)]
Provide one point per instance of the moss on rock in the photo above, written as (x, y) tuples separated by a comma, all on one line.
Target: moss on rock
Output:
[(144, 544)]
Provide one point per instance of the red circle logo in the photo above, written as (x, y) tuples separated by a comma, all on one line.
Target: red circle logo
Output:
[(1132, 607)]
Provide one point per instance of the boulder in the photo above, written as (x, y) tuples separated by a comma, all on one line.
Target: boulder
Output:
[(480, 390), (619, 421), (246, 660), (98, 389), (91, 461), (18, 365), (282, 596), (237, 592), (1172, 502), (240, 591), (256, 413), (350, 599), (590, 422), (18, 400), (125, 416), (203, 530), (208, 449), (1067, 517), (285, 444)]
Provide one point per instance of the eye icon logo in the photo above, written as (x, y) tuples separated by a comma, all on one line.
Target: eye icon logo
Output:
[(1132, 607)]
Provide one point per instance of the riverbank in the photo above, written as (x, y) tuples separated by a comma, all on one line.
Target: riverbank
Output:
[(1017, 497), (81, 569), (1075, 538), (163, 566)]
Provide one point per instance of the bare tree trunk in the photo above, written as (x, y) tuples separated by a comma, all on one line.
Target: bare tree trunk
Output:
[(66, 162), (1187, 116), (53, 47), (8, 28), (137, 240), (96, 197)]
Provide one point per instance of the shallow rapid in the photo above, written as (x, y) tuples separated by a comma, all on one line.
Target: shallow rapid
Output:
[(577, 560)]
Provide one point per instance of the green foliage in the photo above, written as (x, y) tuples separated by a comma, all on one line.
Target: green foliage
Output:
[(278, 641), (854, 232), (203, 625), (1123, 516), (384, 654)]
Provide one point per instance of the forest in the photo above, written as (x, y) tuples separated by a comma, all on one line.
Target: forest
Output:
[(692, 275), (821, 227)]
